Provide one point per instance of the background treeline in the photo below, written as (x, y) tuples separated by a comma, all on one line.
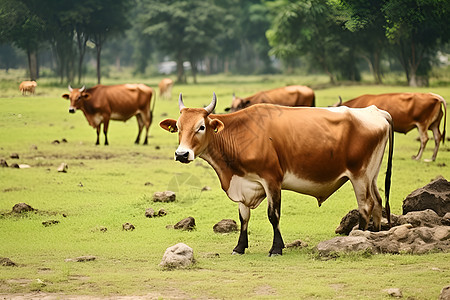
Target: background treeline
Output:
[(340, 38)]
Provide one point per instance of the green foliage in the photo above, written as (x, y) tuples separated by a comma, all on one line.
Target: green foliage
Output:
[(108, 186)]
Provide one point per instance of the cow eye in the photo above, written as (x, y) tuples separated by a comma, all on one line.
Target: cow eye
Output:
[(201, 128)]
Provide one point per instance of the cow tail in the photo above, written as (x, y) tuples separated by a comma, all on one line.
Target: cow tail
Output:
[(152, 108), (387, 181), (442, 100)]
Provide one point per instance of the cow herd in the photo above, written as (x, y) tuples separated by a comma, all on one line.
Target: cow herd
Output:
[(278, 140)]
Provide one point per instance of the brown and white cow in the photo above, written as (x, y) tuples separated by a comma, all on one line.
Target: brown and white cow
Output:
[(293, 95), (409, 110), (258, 151), (27, 86), (165, 88), (103, 103)]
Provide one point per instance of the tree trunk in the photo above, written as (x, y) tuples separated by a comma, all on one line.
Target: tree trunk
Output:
[(98, 46), (180, 69), (32, 64)]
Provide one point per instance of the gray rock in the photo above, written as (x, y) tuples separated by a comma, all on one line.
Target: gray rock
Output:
[(50, 223), (128, 227), (297, 244), (149, 212), (167, 196), (435, 196), (445, 293), (426, 217), (394, 292), (81, 259), (63, 167), (178, 256), (3, 163), (21, 208), (6, 262), (344, 244), (14, 156)]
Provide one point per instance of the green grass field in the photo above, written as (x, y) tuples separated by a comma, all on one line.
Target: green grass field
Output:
[(108, 186)]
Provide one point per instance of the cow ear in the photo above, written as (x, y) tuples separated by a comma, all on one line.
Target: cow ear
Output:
[(170, 125), (65, 96), (217, 125), (86, 96), (247, 103)]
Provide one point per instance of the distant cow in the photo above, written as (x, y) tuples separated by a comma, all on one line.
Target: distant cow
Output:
[(409, 110), (102, 103), (293, 95), (261, 150), (27, 86), (165, 88)]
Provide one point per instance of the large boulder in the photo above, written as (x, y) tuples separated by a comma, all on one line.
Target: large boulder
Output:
[(185, 224), (178, 256), (435, 196)]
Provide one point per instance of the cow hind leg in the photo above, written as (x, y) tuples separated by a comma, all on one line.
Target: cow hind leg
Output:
[(365, 202), (423, 142), (273, 212), (377, 208), (244, 217), (437, 138), (140, 126), (98, 135)]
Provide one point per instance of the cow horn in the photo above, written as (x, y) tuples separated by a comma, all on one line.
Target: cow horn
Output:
[(70, 88), (82, 89), (180, 102), (212, 105)]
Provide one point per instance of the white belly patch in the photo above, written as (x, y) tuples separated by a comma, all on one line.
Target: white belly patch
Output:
[(248, 190)]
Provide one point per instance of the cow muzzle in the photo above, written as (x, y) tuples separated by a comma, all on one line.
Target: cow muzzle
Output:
[(182, 157), (72, 110)]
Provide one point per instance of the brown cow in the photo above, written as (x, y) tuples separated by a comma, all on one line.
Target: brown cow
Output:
[(102, 103), (27, 86), (165, 88), (409, 110), (258, 151), (293, 95)]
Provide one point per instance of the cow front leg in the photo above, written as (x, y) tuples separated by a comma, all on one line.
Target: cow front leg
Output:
[(105, 131), (273, 212), (140, 126), (98, 135), (423, 142), (244, 217)]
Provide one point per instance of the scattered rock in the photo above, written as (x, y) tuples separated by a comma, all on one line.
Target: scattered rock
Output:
[(211, 255), (148, 183), (81, 259), (6, 262), (33, 147), (394, 292), (63, 167), (167, 196), (297, 244), (350, 220), (15, 166), (162, 212), (128, 226), (157, 147), (435, 196), (206, 188), (21, 208), (3, 163), (446, 219), (63, 140), (178, 256), (14, 156), (100, 228), (445, 293), (185, 224), (426, 217), (343, 244), (55, 142), (150, 213), (225, 226), (50, 222)]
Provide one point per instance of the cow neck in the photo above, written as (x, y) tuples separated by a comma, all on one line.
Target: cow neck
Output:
[(222, 155)]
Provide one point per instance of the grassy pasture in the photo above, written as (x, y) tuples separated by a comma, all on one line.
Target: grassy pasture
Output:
[(108, 186)]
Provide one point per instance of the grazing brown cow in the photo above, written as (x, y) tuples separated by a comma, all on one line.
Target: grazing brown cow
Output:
[(165, 88), (409, 110), (27, 86), (102, 103), (293, 95), (258, 151)]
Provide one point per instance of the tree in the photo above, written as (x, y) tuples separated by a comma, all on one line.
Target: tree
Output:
[(23, 28), (417, 28), (184, 29), (365, 19), (310, 28)]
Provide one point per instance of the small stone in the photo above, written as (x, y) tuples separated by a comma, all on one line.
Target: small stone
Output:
[(21, 208), (297, 244), (185, 224), (50, 222), (3, 163), (149, 212), (63, 167), (394, 292), (167, 196), (128, 226), (81, 259), (15, 166), (225, 226), (445, 293), (162, 212), (55, 142), (6, 262), (206, 188), (178, 256), (14, 156)]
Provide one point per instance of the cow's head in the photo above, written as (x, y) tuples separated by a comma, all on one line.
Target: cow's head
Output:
[(76, 97), (238, 104), (195, 129)]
